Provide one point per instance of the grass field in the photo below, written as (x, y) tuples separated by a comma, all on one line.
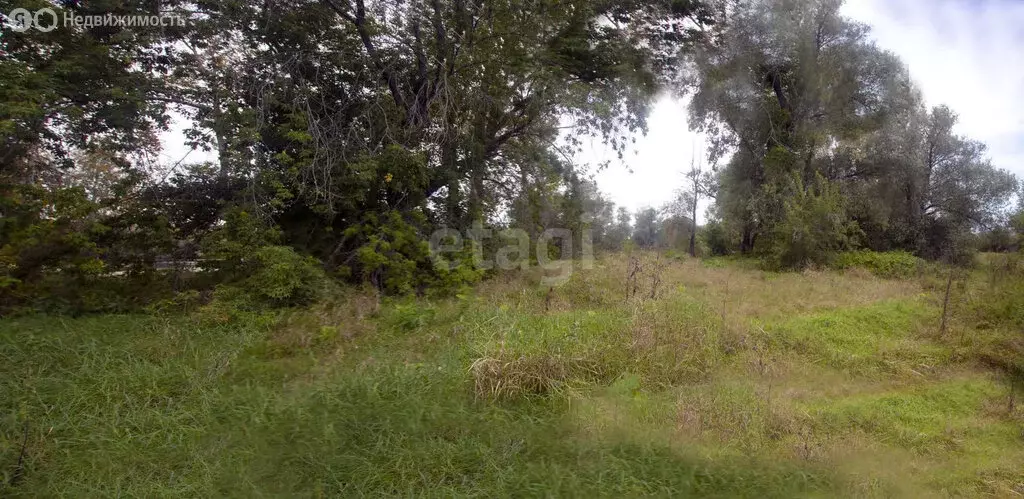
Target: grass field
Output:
[(730, 381)]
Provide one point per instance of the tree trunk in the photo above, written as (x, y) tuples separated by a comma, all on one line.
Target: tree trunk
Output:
[(747, 239), (693, 228), (945, 305)]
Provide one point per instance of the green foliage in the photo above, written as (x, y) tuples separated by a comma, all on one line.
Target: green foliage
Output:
[(714, 236), (1017, 225), (393, 254), (182, 302), (814, 226), (690, 394), (927, 420), (409, 315), (646, 229), (49, 231), (75, 89), (63, 253), (1001, 303), (253, 272), (232, 244), (865, 341), (998, 239), (281, 277), (888, 264), (915, 184), (217, 407)]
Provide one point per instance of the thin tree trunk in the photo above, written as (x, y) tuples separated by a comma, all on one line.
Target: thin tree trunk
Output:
[(945, 304), (693, 241), (693, 232)]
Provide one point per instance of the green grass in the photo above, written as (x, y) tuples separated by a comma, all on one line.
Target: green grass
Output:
[(889, 264), (506, 393), (925, 419), (879, 338), (135, 406)]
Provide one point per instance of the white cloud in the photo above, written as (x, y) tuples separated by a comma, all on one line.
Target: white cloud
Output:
[(658, 160), (173, 145), (966, 54)]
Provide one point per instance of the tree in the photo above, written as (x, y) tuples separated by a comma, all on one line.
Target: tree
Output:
[(790, 88), (77, 90), (700, 184), (646, 229), (622, 230)]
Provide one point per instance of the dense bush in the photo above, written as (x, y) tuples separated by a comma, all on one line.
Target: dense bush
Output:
[(63, 252), (282, 277), (276, 276), (946, 241), (814, 226), (45, 232), (888, 264), (252, 269), (714, 236), (394, 255), (997, 240)]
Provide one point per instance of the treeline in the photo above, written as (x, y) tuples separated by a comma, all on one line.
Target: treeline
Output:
[(347, 132)]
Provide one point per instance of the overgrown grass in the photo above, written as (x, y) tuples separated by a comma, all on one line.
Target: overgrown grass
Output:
[(729, 382), (881, 339), (889, 264)]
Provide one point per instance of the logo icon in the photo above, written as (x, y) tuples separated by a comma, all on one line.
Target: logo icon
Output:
[(22, 20)]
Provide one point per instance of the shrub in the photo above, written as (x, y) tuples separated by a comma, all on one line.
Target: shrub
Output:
[(226, 249), (277, 277), (62, 252), (889, 264), (285, 278), (814, 226), (394, 255), (946, 240), (715, 238)]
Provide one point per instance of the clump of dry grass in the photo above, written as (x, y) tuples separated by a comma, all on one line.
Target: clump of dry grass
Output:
[(502, 378), (746, 416), (676, 339)]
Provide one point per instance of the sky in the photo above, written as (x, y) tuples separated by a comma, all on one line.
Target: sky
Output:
[(968, 54)]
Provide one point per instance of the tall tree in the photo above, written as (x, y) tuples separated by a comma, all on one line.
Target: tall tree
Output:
[(794, 91)]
